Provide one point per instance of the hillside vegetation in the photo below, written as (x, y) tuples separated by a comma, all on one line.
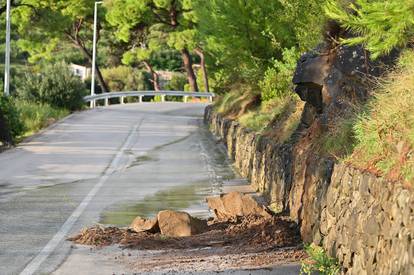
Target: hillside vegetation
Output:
[(384, 132)]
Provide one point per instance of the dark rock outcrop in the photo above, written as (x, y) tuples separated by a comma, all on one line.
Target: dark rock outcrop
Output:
[(333, 79)]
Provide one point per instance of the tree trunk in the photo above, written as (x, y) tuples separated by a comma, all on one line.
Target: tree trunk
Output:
[(188, 65), (155, 78), (200, 53), (99, 77)]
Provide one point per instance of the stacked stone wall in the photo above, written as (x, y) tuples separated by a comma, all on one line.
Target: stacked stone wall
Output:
[(365, 222)]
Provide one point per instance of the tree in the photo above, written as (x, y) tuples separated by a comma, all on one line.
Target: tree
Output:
[(43, 26), (242, 39), (165, 20), (136, 33), (380, 25), (14, 4), (243, 36)]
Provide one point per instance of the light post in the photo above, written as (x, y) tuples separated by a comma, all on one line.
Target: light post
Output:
[(95, 24), (7, 57)]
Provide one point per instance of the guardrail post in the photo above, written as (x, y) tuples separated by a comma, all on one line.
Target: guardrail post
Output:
[(185, 99), (140, 99), (106, 102), (92, 104), (122, 99), (162, 98)]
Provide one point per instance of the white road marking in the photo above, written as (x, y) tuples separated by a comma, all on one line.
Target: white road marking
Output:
[(35, 263)]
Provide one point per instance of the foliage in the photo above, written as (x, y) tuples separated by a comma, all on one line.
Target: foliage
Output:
[(45, 26), (36, 116), (385, 131), (176, 83), (277, 80), (245, 37), (307, 19), (260, 118), (150, 26), (11, 116), (42, 24), (319, 262), (243, 56), (167, 59), (123, 78), (55, 85), (380, 25)]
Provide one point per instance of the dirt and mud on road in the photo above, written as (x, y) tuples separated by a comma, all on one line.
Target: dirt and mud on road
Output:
[(248, 242)]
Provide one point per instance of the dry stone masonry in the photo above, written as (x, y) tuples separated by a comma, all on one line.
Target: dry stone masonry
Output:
[(364, 221)]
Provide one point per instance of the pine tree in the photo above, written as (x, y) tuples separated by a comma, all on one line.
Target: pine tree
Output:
[(380, 25)]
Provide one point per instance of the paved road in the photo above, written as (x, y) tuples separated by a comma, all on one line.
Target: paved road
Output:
[(102, 166)]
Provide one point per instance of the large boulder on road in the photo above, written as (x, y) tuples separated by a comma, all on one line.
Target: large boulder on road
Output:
[(235, 204), (148, 225), (179, 224)]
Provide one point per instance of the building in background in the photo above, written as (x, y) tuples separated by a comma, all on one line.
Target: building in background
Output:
[(81, 71)]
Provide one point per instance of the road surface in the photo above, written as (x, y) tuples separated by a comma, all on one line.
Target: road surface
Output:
[(102, 166)]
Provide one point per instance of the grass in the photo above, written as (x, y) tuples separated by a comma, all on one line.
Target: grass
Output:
[(278, 117), (237, 102), (261, 117), (318, 262), (339, 141), (384, 133), (36, 116)]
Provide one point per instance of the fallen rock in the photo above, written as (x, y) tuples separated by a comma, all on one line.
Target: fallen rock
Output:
[(235, 204), (149, 225), (179, 224)]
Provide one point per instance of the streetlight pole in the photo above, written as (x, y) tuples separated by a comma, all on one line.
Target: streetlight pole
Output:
[(95, 25), (7, 57)]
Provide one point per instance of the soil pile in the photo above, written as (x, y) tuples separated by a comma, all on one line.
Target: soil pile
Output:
[(249, 233), (234, 240)]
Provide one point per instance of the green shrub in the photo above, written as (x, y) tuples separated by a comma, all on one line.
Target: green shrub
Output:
[(124, 78), (277, 80), (177, 83), (55, 85), (318, 262), (36, 116), (10, 114)]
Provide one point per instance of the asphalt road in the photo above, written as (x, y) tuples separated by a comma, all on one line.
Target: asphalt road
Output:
[(102, 166)]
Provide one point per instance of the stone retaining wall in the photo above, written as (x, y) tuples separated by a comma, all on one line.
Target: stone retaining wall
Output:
[(364, 221)]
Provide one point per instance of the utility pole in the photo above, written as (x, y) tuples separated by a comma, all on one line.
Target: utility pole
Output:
[(95, 25), (7, 58)]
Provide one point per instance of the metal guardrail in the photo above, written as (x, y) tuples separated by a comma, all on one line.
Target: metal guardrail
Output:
[(141, 94)]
